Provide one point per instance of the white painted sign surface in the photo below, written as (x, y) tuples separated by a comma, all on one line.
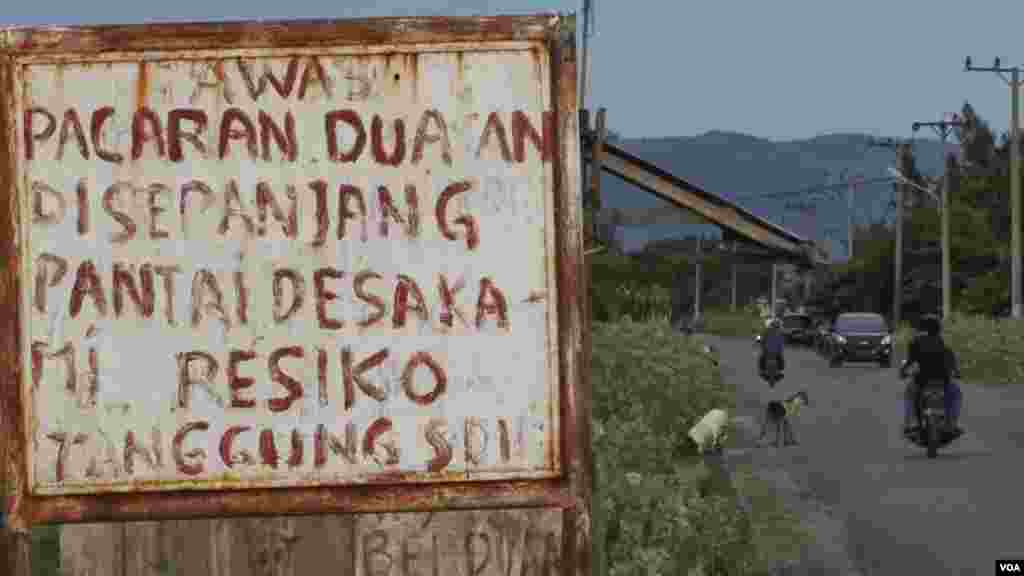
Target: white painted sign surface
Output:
[(217, 294)]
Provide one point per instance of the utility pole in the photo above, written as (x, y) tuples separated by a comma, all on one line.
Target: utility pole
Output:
[(947, 283), (899, 188), (851, 190), (775, 288), (698, 283), (732, 303), (596, 161), (585, 57), (897, 267), (1017, 309), (589, 173), (950, 187), (943, 129)]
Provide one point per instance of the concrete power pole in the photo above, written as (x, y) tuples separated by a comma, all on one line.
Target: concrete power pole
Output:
[(698, 283), (775, 288), (947, 284), (1016, 250), (585, 56), (897, 260), (950, 187), (852, 182), (849, 219), (943, 129), (900, 190), (1015, 239), (732, 302)]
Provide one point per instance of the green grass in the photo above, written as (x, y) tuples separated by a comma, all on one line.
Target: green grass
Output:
[(740, 324), (45, 547), (657, 508), (46, 551), (991, 351)]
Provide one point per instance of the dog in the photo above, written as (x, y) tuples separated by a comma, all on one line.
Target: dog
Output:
[(711, 352), (780, 415), (709, 433)]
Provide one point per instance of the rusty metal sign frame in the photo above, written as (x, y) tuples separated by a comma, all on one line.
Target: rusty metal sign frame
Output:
[(570, 491)]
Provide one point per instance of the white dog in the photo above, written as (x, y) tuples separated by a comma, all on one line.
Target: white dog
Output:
[(711, 352), (709, 433)]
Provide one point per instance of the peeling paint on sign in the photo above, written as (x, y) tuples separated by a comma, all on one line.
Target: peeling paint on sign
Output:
[(483, 543), (276, 270)]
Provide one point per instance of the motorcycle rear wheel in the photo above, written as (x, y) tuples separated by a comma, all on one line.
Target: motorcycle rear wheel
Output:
[(932, 435)]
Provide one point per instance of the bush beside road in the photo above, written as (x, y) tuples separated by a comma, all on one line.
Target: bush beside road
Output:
[(740, 324), (658, 509), (990, 350)]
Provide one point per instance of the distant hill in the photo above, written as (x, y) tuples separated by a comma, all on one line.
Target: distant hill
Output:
[(735, 165)]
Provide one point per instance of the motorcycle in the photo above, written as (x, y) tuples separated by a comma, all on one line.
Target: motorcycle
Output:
[(772, 372), (936, 430)]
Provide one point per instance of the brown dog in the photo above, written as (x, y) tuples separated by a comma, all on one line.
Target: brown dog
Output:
[(779, 414)]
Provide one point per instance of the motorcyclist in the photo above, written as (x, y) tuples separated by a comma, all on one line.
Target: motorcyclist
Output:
[(772, 346), (935, 361)]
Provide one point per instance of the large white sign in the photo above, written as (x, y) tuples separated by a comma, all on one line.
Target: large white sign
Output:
[(288, 270)]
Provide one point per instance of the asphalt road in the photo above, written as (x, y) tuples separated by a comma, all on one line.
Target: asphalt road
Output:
[(895, 511)]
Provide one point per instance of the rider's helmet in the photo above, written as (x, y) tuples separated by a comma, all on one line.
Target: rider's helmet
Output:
[(930, 324)]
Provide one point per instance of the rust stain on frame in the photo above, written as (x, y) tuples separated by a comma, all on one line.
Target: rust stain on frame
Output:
[(347, 338), (291, 33), (142, 86), (574, 315), (13, 437), (138, 507)]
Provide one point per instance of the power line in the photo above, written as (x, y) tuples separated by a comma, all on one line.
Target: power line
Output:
[(819, 188)]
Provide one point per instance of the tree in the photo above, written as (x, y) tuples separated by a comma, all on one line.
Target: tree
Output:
[(980, 231), (977, 254), (977, 143)]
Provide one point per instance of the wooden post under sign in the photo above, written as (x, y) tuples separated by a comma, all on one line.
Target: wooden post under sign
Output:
[(597, 155)]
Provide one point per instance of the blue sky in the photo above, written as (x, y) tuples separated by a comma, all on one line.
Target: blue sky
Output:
[(778, 70)]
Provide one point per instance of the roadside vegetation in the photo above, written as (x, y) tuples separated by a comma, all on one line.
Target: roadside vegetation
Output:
[(991, 351), (46, 551), (657, 508), (743, 323), (652, 285), (45, 545), (641, 288)]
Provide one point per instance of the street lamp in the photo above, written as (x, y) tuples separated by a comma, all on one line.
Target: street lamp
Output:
[(931, 192), (946, 265), (943, 129)]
